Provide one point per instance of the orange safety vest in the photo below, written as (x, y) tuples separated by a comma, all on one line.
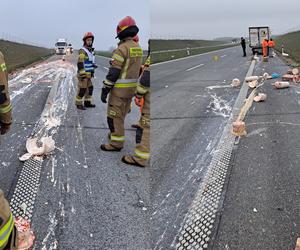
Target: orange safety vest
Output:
[(265, 47), (271, 44)]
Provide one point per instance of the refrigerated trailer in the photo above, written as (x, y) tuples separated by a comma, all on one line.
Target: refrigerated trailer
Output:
[(256, 37)]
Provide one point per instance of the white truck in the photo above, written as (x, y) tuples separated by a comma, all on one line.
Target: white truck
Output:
[(256, 37), (61, 46)]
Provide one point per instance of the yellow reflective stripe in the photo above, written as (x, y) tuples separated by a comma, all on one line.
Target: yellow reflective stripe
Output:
[(78, 98), (108, 83), (118, 58), (148, 61), (88, 99), (136, 52), (140, 154), (125, 85), (3, 67), (117, 138), (6, 231), (6, 109), (142, 90), (124, 74)]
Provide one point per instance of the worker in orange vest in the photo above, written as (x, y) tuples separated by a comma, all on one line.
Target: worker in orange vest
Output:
[(265, 47), (271, 45)]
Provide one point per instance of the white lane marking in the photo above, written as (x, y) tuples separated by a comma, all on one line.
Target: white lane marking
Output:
[(106, 68), (223, 56), (188, 57), (219, 86), (197, 66)]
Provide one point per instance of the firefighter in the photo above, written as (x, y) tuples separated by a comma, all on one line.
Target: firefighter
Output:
[(271, 45), (8, 233), (137, 101), (243, 44), (265, 48), (121, 82), (86, 68), (5, 105), (142, 150)]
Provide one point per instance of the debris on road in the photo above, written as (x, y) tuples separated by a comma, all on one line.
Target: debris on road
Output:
[(235, 82), (287, 77), (26, 236), (251, 78), (239, 128), (253, 84), (274, 75), (298, 244), (33, 149), (281, 85), (285, 54), (295, 71), (260, 97)]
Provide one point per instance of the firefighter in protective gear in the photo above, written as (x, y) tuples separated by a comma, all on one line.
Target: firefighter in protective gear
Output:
[(5, 105), (138, 102), (121, 82), (142, 150), (86, 68), (8, 233), (265, 47)]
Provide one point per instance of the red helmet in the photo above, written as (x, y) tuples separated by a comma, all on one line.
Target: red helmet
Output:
[(136, 39), (88, 35), (127, 27)]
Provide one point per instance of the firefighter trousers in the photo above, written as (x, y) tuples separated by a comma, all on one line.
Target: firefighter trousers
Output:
[(84, 91), (142, 149)]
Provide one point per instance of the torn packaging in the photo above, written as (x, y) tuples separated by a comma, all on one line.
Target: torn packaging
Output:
[(48, 145)]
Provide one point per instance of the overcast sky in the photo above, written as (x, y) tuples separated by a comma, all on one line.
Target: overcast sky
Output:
[(43, 21), (218, 18)]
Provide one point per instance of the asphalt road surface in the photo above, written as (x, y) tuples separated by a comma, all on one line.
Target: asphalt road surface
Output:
[(191, 104), (86, 199)]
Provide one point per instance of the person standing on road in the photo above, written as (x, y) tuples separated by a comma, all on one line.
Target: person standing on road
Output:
[(5, 105), (265, 48), (86, 69), (271, 45), (121, 82), (142, 150), (8, 233), (243, 44)]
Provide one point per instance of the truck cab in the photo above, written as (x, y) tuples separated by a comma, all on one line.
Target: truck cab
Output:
[(256, 37), (61, 47)]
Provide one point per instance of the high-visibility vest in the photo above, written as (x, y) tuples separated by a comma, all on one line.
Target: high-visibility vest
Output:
[(6, 230)]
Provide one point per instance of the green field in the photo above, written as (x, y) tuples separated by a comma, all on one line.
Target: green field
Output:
[(291, 44), (158, 44), (163, 45), (20, 55)]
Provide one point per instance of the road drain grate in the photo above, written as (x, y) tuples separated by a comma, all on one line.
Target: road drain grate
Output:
[(22, 203)]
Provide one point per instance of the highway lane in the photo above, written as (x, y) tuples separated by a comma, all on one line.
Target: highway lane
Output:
[(190, 105), (261, 208), (82, 190)]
